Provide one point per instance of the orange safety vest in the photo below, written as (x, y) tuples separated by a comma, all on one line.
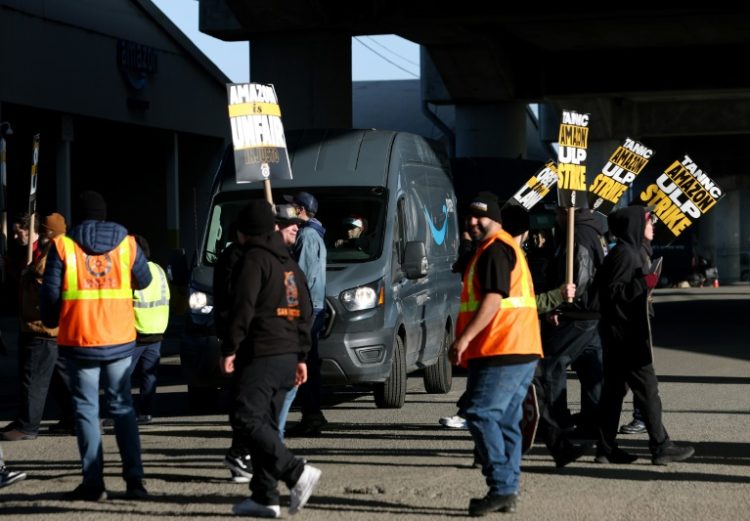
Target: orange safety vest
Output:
[(514, 330), (97, 297)]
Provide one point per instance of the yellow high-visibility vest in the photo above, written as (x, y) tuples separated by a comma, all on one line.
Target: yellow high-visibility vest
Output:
[(151, 305)]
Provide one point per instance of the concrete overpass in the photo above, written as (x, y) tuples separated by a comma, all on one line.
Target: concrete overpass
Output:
[(670, 77)]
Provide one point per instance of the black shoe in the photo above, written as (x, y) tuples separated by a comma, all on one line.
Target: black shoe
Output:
[(310, 426), (62, 428), (17, 435), (568, 454), (492, 503), (670, 452), (12, 426), (144, 419), (614, 456), (634, 427), (86, 493), (136, 490)]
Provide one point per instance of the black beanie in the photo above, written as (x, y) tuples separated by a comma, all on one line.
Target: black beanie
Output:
[(485, 204), (515, 219), (256, 218), (91, 206)]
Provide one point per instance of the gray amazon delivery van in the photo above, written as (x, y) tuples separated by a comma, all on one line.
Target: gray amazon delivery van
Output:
[(392, 300)]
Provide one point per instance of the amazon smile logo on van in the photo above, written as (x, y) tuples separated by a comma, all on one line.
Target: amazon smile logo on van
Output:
[(438, 234)]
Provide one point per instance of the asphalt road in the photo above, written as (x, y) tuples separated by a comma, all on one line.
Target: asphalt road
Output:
[(381, 464)]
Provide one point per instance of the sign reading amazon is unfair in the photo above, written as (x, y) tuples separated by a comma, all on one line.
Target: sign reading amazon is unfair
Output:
[(571, 159), (257, 133), (627, 161), (682, 194)]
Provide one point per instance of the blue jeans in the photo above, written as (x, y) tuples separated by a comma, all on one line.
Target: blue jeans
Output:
[(284, 413), (494, 395), (84, 382), (145, 365)]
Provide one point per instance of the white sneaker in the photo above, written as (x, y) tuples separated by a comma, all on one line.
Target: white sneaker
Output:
[(238, 478), (453, 422), (303, 489), (249, 507)]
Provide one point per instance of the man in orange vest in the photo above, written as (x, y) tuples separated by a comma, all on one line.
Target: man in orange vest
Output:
[(497, 339), (88, 291)]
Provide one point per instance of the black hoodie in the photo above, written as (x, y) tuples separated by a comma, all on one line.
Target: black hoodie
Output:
[(625, 326), (271, 309)]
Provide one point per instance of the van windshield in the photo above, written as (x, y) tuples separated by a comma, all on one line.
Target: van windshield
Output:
[(354, 219)]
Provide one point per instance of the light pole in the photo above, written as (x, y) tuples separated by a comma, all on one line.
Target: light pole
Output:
[(5, 130)]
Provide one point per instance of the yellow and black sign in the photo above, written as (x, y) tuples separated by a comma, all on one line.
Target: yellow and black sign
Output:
[(627, 161), (682, 194), (571, 159), (257, 133), (537, 187)]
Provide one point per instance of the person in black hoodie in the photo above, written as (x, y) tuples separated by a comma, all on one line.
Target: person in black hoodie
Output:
[(570, 335), (264, 348), (625, 281)]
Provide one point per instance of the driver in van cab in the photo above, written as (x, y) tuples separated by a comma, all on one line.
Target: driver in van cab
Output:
[(355, 226)]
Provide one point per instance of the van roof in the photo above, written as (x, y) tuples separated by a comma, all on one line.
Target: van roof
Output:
[(344, 157)]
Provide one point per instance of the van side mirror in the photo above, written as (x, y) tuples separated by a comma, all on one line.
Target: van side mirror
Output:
[(415, 260)]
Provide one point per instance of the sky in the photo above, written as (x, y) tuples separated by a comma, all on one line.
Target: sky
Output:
[(380, 57)]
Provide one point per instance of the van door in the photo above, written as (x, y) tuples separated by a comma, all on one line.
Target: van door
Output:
[(413, 294)]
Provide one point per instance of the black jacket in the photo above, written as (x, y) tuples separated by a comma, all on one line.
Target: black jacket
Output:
[(625, 324), (271, 310), (224, 284)]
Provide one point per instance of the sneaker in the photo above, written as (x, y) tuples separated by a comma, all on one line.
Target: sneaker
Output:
[(250, 507), (634, 427), (309, 426), (86, 493), (492, 503), (136, 490), (238, 478), (17, 435), (144, 419), (670, 452), (240, 465), (8, 477), (303, 489), (12, 426), (453, 422), (614, 456)]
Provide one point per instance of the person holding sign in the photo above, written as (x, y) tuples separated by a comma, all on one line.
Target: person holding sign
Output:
[(497, 339), (625, 280)]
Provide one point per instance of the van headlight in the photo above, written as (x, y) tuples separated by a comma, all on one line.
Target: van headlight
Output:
[(363, 297), (199, 302)]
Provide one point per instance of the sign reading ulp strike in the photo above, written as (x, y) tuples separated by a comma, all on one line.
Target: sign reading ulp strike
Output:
[(257, 133), (682, 194), (537, 187), (617, 175), (571, 159)]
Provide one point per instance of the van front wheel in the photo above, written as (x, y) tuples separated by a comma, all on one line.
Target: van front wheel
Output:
[(391, 394), (438, 377)]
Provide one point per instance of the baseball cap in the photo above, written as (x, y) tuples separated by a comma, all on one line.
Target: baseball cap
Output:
[(286, 214), (305, 200)]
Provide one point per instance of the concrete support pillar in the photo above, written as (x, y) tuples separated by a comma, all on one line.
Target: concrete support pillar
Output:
[(172, 192), (312, 74), (721, 235), (497, 130), (62, 167)]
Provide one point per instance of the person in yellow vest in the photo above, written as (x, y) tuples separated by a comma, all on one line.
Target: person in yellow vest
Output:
[(151, 319), (88, 291), (498, 341)]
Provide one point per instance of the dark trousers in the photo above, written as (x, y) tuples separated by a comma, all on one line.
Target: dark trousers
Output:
[(41, 371), (576, 344), (144, 367), (261, 385), (309, 392), (618, 375)]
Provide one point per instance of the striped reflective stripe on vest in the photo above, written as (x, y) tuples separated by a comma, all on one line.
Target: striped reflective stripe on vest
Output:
[(525, 300), (73, 292)]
